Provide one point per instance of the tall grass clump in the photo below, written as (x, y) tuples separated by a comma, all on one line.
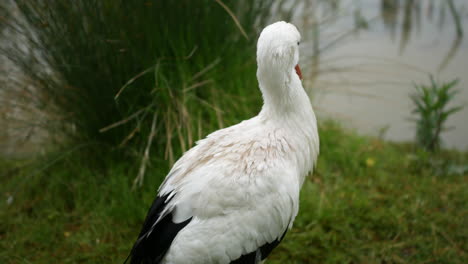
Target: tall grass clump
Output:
[(432, 111), (130, 75)]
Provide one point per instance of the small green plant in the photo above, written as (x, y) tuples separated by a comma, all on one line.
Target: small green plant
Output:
[(432, 110)]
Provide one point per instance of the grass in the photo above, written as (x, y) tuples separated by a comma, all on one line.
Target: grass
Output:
[(431, 106), (107, 72), (161, 84), (368, 202), (374, 202), (114, 80)]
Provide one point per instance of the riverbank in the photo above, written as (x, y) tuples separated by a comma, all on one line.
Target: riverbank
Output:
[(368, 201)]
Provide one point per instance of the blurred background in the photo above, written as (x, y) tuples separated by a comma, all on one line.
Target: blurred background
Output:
[(393, 45), (99, 98)]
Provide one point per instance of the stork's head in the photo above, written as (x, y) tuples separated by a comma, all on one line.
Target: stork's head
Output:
[(278, 48)]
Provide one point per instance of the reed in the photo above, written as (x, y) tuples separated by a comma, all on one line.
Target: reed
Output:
[(133, 76)]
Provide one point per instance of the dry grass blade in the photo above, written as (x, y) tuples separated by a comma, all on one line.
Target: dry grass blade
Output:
[(187, 121), (218, 111), (121, 122), (199, 128), (132, 80), (138, 181), (180, 135), (168, 153), (191, 53), (225, 7), (198, 84), (129, 136), (206, 69), (204, 102)]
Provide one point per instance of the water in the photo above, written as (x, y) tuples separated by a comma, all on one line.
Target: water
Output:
[(366, 77)]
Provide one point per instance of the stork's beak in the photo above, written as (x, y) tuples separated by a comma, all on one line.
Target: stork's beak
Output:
[(298, 71)]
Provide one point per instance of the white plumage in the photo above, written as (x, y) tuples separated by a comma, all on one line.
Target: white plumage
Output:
[(232, 197)]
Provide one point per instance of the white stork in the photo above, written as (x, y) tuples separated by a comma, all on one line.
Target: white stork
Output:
[(232, 197)]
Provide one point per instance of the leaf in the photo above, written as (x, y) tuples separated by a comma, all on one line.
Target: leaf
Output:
[(453, 110), (430, 102)]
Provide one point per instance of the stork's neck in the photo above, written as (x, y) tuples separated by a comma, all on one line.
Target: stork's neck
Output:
[(287, 107), (284, 98)]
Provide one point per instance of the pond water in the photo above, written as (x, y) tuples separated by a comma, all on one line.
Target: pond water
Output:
[(372, 52)]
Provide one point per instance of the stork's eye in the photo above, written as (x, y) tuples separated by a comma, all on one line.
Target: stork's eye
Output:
[(298, 43)]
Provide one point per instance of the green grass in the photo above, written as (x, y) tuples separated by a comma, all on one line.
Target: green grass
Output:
[(133, 65), (376, 202), (367, 202)]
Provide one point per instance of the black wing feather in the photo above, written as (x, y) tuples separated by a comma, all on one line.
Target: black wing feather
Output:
[(155, 239), (268, 247), (265, 250), (249, 258)]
